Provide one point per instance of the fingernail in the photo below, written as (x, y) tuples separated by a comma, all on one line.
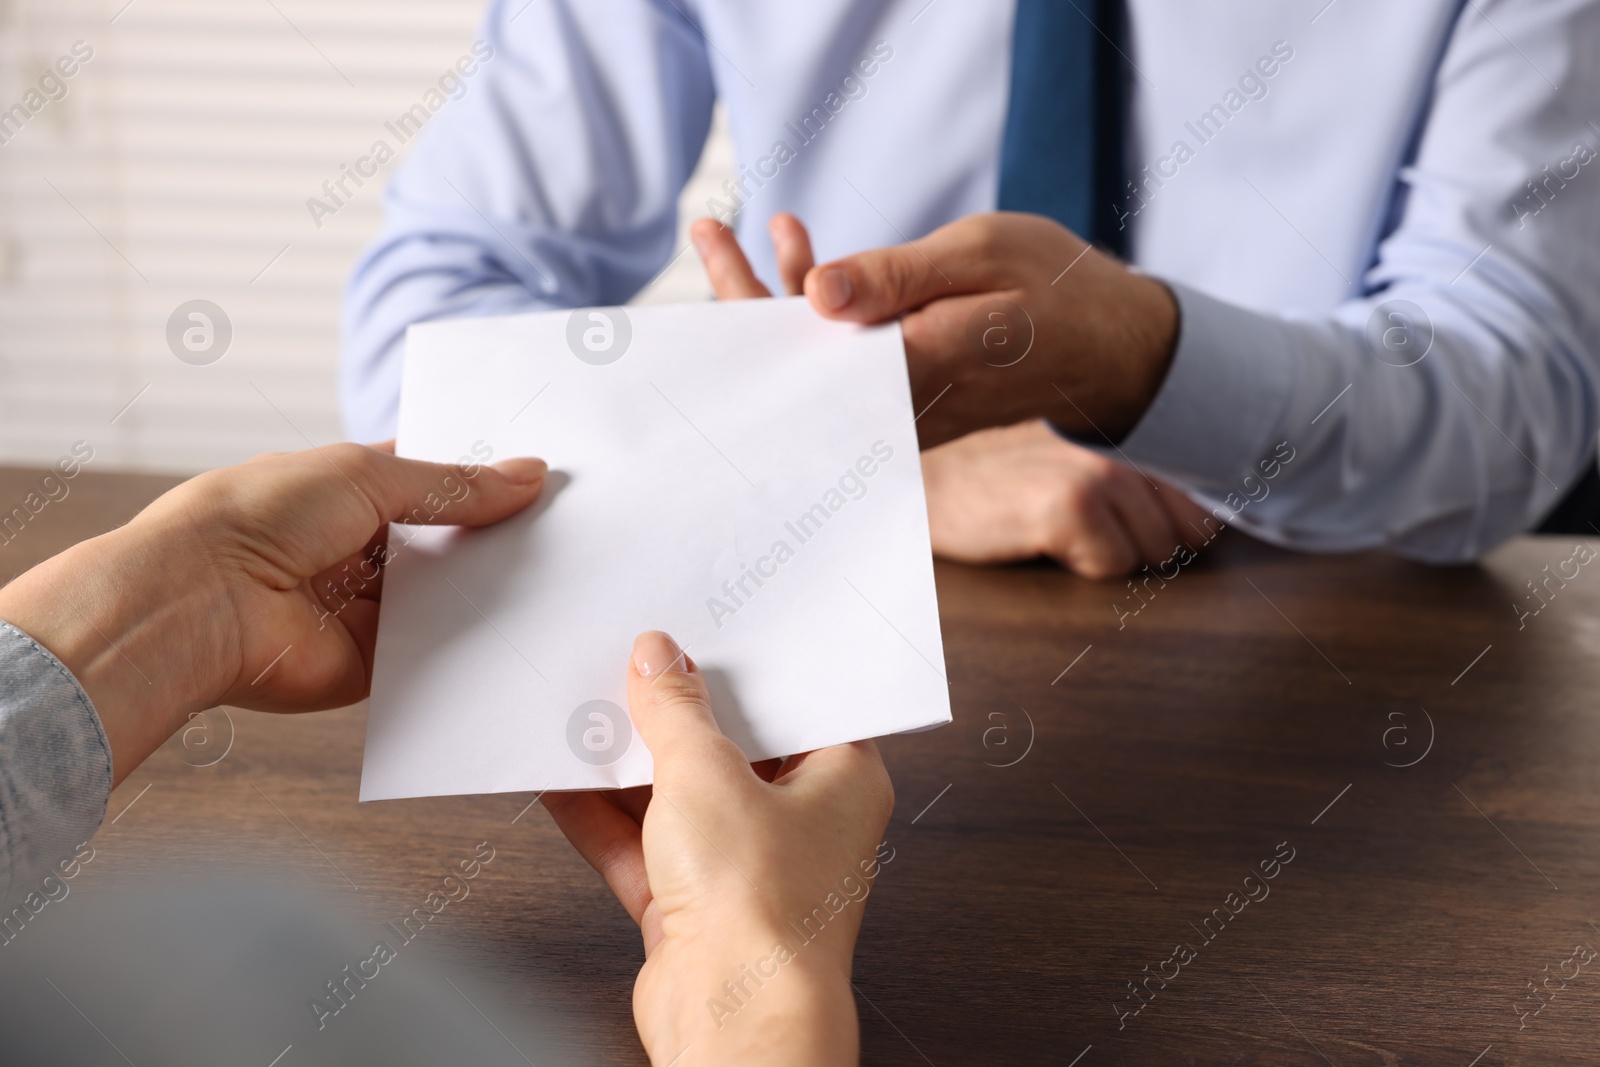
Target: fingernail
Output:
[(834, 288), (654, 652), (523, 470)]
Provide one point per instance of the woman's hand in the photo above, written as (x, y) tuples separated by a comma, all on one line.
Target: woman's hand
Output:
[(255, 585), (748, 887)]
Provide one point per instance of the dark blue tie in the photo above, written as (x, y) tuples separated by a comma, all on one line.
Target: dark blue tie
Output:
[(1062, 152)]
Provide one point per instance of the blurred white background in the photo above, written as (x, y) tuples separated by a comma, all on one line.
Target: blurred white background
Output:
[(177, 167)]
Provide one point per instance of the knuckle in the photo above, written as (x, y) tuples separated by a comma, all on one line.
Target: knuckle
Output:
[(214, 496), (675, 690), (357, 462), (1128, 476), (1095, 568), (1074, 498), (898, 279), (987, 242), (1084, 567), (350, 452), (1098, 560), (1101, 467)]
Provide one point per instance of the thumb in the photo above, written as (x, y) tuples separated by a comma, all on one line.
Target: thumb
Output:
[(965, 256), (876, 286), (671, 709), (976, 254), (414, 491)]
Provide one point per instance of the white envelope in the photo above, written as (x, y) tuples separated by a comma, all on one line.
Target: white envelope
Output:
[(742, 475)]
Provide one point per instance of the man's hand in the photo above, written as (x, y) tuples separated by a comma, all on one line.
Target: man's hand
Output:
[(728, 268), (1011, 317), (1019, 492), (256, 586), (719, 862), (1007, 494)]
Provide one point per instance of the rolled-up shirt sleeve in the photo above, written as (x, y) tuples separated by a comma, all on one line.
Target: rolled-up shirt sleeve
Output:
[(553, 181), (1451, 405), (55, 765)]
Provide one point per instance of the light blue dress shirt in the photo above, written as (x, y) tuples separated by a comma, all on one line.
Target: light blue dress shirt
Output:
[(1331, 190)]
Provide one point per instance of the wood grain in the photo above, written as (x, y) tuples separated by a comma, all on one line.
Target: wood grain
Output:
[(1252, 702)]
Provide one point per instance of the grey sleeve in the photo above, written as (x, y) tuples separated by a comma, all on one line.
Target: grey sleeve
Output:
[(55, 764)]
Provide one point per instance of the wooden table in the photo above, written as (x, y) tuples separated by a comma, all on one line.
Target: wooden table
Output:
[(1431, 765)]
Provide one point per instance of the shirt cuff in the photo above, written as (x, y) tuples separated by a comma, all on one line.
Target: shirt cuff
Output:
[(55, 766), (1225, 393)]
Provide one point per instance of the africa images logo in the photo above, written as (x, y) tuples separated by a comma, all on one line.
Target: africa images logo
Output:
[(599, 732), (199, 332), (599, 336)]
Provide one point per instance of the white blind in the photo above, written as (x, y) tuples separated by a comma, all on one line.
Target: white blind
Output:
[(176, 167)]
